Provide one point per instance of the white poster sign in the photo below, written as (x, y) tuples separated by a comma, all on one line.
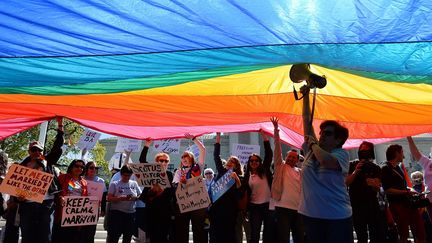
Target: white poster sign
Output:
[(169, 146), (78, 211), (147, 174), (128, 144), (243, 151), (192, 195), (95, 189), (88, 139)]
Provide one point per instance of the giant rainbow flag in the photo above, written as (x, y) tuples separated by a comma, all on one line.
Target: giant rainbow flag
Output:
[(162, 68)]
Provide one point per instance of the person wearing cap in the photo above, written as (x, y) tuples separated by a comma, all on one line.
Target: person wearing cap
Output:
[(208, 177), (35, 218)]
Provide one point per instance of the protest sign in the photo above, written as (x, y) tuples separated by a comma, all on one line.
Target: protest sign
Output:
[(194, 149), (243, 151), (88, 139), (31, 184), (169, 146), (95, 189), (193, 195), (150, 173), (222, 185), (127, 144), (78, 211)]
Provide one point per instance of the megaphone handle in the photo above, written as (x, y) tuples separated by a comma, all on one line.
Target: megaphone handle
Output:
[(295, 94), (313, 106)]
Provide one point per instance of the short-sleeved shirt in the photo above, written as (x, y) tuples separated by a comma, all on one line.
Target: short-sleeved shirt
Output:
[(119, 188), (393, 177), (117, 177), (426, 164), (324, 194), (359, 190)]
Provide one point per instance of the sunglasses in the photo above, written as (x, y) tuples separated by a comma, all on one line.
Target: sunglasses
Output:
[(208, 173), (254, 160), (163, 161), (326, 133), (91, 168), (34, 149), (78, 166)]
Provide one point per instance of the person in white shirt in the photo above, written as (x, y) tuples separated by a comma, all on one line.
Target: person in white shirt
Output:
[(286, 189), (117, 161)]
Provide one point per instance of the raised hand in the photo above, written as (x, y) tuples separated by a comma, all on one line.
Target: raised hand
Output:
[(275, 121), (218, 137)]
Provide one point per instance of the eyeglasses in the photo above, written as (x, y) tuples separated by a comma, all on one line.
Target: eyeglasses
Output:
[(163, 161), (78, 166), (35, 149), (326, 133)]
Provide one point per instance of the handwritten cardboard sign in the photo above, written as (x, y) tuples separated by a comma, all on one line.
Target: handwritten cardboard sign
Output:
[(243, 151), (79, 211), (222, 185), (192, 195), (24, 182), (150, 173), (88, 139), (169, 146), (95, 189), (128, 144)]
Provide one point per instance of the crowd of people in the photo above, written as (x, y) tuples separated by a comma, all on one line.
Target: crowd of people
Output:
[(321, 197)]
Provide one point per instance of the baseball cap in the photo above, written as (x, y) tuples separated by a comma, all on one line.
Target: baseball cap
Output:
[(36, 144)]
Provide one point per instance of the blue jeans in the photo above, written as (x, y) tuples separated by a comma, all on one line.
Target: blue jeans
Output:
[(35, 221), (289, 220), (328, 230)]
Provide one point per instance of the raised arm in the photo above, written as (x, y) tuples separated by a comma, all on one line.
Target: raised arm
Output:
[(413, 148), (268, 152), (201, 147), (56, 151), (277, 143), (216, 155), (144, 152), (307, 122)]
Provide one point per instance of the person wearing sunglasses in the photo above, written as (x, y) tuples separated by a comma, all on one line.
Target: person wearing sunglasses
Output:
[(189, 168), (159, 201), (73, 184), (223, 212), (258, 179), (91, 174), (324, 202), (35, 218)]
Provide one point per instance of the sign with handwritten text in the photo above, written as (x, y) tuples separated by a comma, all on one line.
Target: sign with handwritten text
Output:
[(147, 174), (192, 195), (79, 211), (30, 184), (243, 151), (169, 146), (127, 144), (88, 139)]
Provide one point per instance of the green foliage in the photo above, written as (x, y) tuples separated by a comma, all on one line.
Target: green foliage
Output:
[(17, 145)]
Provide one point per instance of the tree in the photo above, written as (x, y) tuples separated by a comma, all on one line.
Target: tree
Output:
[(17, 145)]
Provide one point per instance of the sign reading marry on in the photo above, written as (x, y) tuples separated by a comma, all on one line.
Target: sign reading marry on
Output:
[(222, 185), (95, 189), (128, 144), (88, 139), (78, 211), (193, 195), (169, 146), (24, 182), (243, 151), (148, 174)]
